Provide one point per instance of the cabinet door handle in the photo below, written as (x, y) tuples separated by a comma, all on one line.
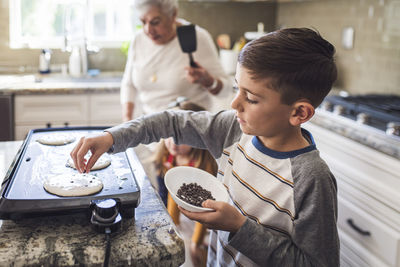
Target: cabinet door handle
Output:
[(358, 229)]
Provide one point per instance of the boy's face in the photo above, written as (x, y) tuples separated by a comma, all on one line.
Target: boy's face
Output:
[(259, 109)]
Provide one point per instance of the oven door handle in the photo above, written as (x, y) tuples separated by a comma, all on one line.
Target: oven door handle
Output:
[(357, 228)]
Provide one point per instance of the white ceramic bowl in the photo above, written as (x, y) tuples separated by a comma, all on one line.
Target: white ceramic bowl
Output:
[(175, 177)]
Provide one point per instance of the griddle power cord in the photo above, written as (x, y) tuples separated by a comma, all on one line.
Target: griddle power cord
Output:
[(108, 247)]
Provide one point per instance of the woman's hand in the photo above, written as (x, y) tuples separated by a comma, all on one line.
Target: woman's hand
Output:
[(201, 76), (97, 145), (225, 217)]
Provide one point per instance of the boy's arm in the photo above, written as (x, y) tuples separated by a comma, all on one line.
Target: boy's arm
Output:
[(198, 129), (314, 240)]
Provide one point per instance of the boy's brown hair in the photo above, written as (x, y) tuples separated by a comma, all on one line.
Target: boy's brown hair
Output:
[(297, 62)]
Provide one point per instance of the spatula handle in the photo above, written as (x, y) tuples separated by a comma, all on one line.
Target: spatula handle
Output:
[(192, 63)]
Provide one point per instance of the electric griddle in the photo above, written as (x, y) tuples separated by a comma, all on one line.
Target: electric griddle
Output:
[(22, 192)]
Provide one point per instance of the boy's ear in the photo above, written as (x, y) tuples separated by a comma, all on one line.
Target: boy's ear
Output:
[(301, 113)]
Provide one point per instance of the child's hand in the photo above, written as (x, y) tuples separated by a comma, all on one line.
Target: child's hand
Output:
[(97, 144), (168, 165), (225, 217)]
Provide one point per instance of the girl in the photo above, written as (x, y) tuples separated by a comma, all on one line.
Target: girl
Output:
[(170, 155)]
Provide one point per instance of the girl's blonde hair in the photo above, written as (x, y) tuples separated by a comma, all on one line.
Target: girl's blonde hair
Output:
[(202, 159)]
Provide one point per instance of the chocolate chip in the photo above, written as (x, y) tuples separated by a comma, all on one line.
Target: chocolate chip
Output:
[(194, 194)]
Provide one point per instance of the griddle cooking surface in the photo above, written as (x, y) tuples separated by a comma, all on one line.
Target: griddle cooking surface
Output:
[(42, 161), (38, 162)]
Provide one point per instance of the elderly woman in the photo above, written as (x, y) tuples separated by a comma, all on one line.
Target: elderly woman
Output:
[(157, 71)]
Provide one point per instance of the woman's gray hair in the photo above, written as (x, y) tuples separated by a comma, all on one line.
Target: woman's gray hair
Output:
[(168, 7)]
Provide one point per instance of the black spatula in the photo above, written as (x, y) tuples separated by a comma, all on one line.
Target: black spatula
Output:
[(187, 40)]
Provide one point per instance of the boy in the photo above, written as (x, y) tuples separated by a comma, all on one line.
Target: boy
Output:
[(283, 205)]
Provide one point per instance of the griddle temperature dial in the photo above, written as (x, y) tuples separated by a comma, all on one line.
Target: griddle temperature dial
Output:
[(105, 219), (105, 215)]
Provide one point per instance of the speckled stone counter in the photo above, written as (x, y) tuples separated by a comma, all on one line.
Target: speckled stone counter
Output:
[(59, 84), (363, 134), (149, 239)]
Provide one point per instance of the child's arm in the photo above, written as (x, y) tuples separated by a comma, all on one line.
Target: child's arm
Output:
[(198, 129), (314, 239)]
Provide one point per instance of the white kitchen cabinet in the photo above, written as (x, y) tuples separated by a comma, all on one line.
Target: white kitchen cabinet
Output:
[(51, 108), (60, 110), (368, 199), (105, 110)]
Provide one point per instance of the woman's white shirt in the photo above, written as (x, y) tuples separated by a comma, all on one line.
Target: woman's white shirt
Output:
[(155, 75)]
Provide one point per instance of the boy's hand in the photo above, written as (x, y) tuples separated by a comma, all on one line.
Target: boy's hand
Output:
[(225, 217), (97, 144)]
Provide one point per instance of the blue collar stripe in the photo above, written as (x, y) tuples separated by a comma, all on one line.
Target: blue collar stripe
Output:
[(284, 155)]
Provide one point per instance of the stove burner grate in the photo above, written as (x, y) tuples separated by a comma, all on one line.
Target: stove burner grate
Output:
[(385, 103), (380, 109)]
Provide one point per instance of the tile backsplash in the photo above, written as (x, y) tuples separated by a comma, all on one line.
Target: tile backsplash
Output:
[(373, 64)]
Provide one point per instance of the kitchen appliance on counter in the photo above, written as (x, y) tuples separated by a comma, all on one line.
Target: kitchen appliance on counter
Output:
[(254, 35), (378, 111), (22, 192), (44, 61)]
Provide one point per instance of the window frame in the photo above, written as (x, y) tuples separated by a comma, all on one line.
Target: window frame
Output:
[(18, 41)]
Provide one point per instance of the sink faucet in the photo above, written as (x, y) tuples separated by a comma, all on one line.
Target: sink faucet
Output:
[(87, 50), (80, 40), (84, 49)]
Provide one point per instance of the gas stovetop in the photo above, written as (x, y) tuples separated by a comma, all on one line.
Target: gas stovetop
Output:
[(379, 111)]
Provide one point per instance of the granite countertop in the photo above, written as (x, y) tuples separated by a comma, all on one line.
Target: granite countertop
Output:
[(363, 134), (59, 84), (150, 239)]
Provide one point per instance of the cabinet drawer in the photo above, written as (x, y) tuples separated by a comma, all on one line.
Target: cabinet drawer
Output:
[(352, 254), (51, 108), (377, 237), (105, 109)]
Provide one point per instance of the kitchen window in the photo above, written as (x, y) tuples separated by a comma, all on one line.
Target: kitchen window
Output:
[(61, 23)]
